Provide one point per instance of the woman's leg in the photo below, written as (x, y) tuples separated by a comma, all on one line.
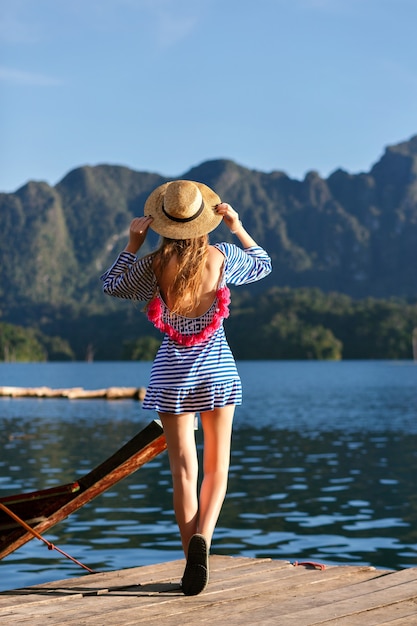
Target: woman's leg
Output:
[(217, 428), (180, 437)]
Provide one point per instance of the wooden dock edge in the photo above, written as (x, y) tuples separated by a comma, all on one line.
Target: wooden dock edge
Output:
[(241, 591)]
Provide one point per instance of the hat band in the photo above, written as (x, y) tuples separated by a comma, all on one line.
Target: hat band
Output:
[(183, 219)]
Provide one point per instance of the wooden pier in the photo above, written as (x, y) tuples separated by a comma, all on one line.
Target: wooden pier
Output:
[(241, 591)]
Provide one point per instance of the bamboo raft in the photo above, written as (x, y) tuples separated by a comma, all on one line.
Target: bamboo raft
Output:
[(75, 393), (241, 591)]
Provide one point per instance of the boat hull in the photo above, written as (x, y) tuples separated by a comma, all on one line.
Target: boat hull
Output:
[(43, 509)]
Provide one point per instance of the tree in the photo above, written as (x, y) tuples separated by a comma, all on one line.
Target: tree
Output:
[(141, 349), (19, 344)]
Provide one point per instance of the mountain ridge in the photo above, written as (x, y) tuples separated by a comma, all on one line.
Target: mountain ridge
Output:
[(352, 233)]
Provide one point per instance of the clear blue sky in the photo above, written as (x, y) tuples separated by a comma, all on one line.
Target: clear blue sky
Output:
[(163, 85)]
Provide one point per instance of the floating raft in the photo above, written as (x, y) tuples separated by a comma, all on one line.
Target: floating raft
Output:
[(241, 591), (75, 393)]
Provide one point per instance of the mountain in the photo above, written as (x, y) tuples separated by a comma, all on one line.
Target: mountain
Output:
[(352, 233)]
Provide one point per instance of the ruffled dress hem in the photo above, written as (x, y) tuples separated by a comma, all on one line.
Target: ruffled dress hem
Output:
[(193, 399)]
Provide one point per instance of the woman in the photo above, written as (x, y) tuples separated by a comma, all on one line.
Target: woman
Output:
[(184, 285)]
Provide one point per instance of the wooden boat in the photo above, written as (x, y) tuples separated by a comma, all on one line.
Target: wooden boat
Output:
[(43, 509)]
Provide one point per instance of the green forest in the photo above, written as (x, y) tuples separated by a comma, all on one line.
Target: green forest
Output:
[(281, 323)]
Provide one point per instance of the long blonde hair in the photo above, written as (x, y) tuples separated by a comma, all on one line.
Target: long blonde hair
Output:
[(191, 256)]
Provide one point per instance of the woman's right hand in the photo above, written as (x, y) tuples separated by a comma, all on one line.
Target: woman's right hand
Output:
[(230, 216), (137, 233)]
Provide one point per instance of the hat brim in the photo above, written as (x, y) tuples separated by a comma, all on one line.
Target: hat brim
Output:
[(206, 221)]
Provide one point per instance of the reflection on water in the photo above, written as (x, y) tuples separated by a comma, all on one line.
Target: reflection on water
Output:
[(323, 468), (335, 497)]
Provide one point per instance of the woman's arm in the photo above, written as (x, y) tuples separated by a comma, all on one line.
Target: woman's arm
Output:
[(129, 277), (232, 221), (242, 266)]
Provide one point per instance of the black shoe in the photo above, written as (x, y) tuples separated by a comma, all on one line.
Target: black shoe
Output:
[(196, 573)]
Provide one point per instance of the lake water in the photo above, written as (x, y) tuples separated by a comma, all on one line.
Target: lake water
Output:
[(323, 468)]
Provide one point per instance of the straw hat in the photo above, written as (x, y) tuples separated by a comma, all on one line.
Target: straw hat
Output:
[(183, 209)]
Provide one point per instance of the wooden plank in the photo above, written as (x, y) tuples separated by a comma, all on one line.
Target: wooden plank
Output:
[(351, 611), (340, 603), (95, 584), (264, 571), (399, 614), (241, 601), (283, 603), (241, 591), (160, 572), (248, 600)]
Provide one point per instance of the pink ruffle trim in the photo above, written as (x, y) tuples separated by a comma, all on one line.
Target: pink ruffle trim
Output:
[(154, 313)]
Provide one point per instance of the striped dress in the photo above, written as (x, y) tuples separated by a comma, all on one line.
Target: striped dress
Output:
[(194, 369)]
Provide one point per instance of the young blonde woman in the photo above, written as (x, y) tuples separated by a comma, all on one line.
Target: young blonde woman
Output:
[(184, 283)]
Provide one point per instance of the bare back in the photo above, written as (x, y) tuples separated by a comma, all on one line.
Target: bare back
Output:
[(209, 285)]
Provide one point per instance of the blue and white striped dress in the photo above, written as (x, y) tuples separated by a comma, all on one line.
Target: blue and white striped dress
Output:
[(193, 378)]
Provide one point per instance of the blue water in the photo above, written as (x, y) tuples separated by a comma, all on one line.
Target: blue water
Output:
[(323, 467)]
